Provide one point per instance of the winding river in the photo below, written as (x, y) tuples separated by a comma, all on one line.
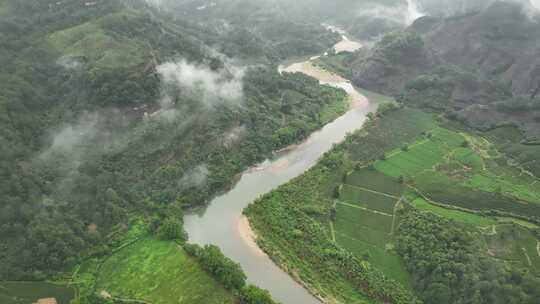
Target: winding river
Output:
[(223, 224)]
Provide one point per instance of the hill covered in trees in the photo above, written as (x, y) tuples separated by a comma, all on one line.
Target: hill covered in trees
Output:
[(111, 109), (484, 62)]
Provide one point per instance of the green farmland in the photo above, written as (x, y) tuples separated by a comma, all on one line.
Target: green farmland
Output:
[(402, 160), (159, 272), (153, 271)]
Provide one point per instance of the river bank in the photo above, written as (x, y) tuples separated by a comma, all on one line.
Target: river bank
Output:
[(222, 223)]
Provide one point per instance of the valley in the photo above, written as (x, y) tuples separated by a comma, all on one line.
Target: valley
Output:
[(269, 151)]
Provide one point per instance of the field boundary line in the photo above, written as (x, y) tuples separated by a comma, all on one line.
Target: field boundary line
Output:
[(358, 240), (538, 247), (396, 207), (415, 144), (332, 231), (365, 209), (373, 191)]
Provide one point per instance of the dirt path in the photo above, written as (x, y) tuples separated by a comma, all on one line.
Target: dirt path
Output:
[(527, 256), (365, 209), (538, 248), (373, 191), (106, 295)]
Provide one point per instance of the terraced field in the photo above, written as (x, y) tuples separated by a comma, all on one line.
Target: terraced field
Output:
[(402, 159), (515, 245), (435, 171), (365, 218)]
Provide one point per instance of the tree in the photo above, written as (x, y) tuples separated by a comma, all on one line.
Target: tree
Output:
[(171, 229), (255, 295), (226, 271)]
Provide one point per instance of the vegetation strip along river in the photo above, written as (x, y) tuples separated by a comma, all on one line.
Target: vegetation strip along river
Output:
[(223, 224)]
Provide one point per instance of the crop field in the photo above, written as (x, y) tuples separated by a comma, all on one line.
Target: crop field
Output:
[(507, 140), (367, 235), (422, 155), (459, 216), (515, 245), (158, 272), (470, 198), (459, 169), (367, 199), (364, 219), (403, 154), (398, 128), (449, 167), (375, 181)]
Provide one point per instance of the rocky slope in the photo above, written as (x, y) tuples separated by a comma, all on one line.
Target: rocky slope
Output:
[(482, 67)]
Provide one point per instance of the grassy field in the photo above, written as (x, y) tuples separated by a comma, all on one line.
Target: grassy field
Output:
[(89, 40), (367, 198), (158, 272)]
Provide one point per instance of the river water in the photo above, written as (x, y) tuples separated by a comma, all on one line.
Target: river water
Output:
[(222, 222)]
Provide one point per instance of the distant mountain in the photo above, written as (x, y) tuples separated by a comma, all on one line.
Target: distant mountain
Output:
[(482, 67)]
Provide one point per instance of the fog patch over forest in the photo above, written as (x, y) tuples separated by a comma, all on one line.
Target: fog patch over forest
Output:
[(446, 8), (194, 178), (199, 82), (69, 63), (70, 140)]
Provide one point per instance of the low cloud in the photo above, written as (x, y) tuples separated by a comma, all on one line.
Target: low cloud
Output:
[(447, 8), (403, 14), (233, 136), (188, 86), (69, 63), (211, 87), (71, 140), (193, 178)]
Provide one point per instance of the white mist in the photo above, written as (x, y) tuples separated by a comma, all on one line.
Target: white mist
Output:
[(413, 11)]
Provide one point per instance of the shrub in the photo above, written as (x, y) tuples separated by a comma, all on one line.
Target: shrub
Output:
[(255, 295)]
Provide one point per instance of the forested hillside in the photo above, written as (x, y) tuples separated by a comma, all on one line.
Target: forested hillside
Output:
[(480, 66), (111, 109)]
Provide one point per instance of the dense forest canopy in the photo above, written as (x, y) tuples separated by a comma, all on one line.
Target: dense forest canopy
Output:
[(96, 99), (117, 116)]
